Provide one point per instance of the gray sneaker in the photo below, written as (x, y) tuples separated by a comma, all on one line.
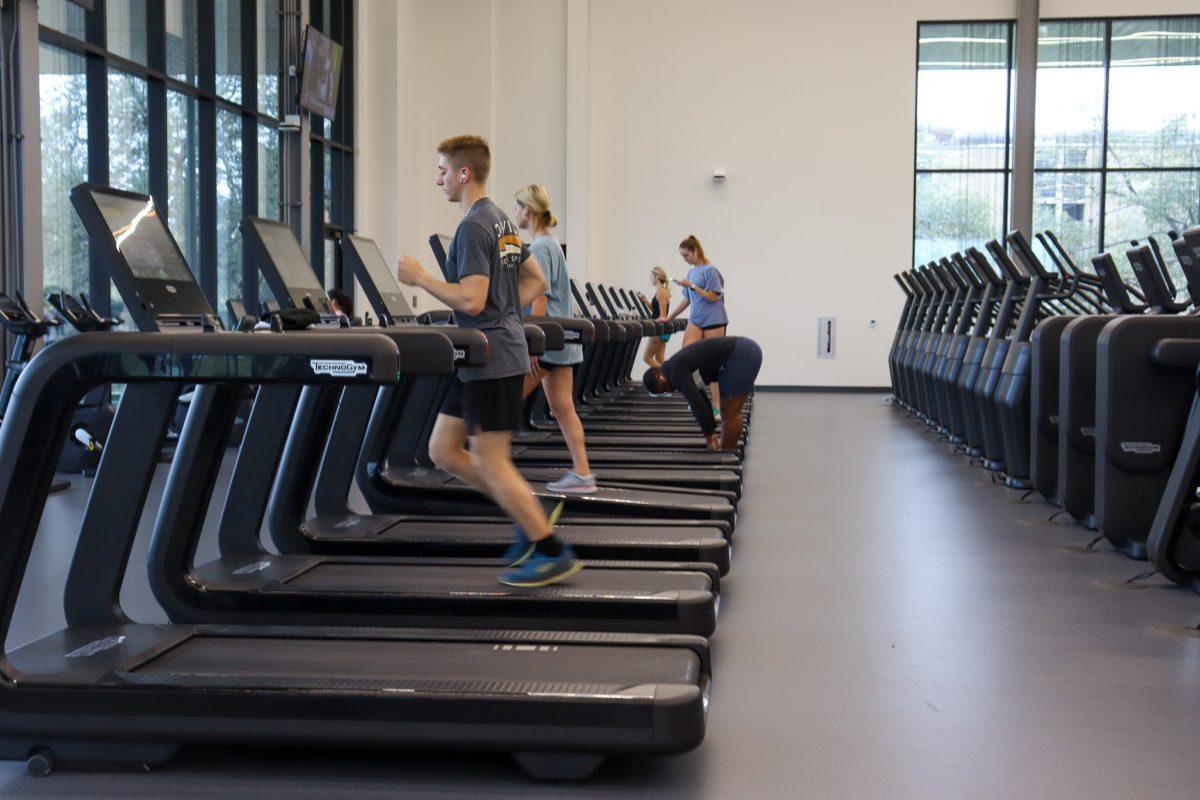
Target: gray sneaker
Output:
[(573, 484)]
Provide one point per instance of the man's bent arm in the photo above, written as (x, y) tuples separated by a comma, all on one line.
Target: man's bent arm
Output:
[(469, 295)]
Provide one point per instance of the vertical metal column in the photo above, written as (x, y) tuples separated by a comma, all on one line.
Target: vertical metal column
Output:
[(1028, 14)]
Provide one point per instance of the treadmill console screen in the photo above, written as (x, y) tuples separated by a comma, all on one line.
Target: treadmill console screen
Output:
[(288, 257), (382, 276), (142, 238)]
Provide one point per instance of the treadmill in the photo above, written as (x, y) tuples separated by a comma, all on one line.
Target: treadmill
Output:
[(413, 486), (629, 449), (104, 689), (373, 275)]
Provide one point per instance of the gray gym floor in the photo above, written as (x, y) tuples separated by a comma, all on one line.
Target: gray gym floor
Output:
[(894, 626)]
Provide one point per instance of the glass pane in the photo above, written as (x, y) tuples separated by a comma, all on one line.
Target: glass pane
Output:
[(126, 23), (957, 210), (229, 50), (330, 264), (128, 132), (1070, 95), (229, 207), (328, 173), (1141, 204), (63, 96), (62, 16), (1154, 108), (962, 96), (1068, 203), (183, 175), (268, 172), (183, 45), (268, 57)]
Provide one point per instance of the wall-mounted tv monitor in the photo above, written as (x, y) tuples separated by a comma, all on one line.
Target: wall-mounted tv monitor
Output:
[(321, 73)]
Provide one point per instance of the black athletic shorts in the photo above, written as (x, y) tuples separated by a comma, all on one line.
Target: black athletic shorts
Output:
[(721, 325), (741, 370), (487, 405)]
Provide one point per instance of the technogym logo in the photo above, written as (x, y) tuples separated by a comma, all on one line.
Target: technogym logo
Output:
[(98, 646), (460, 355), (338, 368), (1141, 448)]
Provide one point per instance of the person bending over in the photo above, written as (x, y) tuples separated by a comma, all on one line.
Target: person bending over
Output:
[(704, 294), (553, 370), (490, 276), (656, 346), (730, 361)]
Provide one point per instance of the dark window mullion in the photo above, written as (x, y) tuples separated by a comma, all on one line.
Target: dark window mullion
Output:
[(345, 159), (316, 154), (156, 57), (1104, 136), (1008, 132), (97, 127), (250, 165), (207, 113)]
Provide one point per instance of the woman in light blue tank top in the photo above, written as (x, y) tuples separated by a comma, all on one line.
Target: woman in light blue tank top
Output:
[(554, 370), (704, 292)]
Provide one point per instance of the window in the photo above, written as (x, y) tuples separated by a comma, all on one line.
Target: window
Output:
[(229, 50), (268, 173), (182, 99), (183, 174), (1117, 131), (229, 208), (963, 136), (267, 32), (63, 91), (183, 41), (126, 28)]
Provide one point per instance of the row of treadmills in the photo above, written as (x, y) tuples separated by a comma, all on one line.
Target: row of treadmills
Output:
[(379, 627), (1077, 384)]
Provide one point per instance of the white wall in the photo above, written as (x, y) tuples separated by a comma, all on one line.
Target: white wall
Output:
[(511, 88), (808, 106)]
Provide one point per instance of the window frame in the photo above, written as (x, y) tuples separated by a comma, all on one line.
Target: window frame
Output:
[(1007, 170), (1104, 169), (99, 60)]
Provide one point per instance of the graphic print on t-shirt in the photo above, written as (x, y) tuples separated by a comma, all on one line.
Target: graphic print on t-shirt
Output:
[(510, 244)]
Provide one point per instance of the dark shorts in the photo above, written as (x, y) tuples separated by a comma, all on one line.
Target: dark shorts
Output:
[(721, 325), (741, 370), (488, 405)]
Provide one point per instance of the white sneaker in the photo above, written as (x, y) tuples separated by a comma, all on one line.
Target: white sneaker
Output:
[(573, 484)]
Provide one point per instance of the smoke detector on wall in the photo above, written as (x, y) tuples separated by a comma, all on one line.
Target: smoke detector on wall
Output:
[(718, 174)]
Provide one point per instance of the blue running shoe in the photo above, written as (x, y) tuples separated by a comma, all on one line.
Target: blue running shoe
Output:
[(521, 548), (541, 569)]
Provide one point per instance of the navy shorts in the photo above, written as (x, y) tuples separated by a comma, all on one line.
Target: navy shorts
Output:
[(741, 370)]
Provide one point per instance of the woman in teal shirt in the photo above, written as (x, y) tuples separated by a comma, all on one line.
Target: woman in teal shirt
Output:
[(554, 369)]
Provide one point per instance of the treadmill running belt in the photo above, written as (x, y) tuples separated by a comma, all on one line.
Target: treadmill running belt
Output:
[(462, 581), (383, 665)]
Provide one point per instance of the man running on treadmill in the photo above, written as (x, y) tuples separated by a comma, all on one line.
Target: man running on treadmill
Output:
[(491, 276), (732, 362)]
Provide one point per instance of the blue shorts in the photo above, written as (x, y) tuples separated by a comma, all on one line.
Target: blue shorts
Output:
[(741, 370)]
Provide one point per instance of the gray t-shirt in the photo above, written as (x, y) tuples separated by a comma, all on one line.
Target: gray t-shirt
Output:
[(549, 254), (486, 243)]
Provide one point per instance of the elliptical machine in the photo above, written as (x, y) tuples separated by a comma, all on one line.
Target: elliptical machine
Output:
[(94, 415)]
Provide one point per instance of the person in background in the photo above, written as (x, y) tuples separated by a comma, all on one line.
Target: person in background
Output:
[(660, 304), (731, 361), (704, 293), (554, 370), (490, 276), (341, 303)]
